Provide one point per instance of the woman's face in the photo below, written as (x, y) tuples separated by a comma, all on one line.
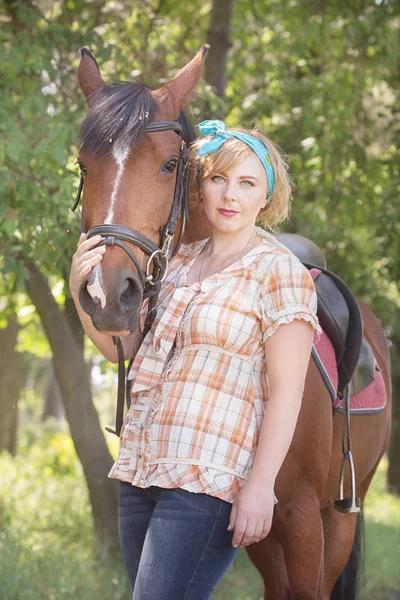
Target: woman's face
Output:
[(233, 200)]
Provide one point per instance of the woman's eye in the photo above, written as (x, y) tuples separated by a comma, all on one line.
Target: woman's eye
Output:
[(218, 179), (247, 183), (170, 165)]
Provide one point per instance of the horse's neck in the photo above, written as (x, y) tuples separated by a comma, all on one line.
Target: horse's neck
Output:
[(198, 227)]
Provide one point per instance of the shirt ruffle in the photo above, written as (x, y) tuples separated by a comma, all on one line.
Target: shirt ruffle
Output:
[(306, 315), (288, 293), (192, 478)]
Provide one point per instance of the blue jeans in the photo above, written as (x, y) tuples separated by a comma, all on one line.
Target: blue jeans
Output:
[(175, 543)]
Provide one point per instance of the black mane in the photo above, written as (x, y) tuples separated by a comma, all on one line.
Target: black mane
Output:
[(188, 132), (119, 113)]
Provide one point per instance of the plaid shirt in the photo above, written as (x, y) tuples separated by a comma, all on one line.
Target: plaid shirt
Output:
[(200, 376)]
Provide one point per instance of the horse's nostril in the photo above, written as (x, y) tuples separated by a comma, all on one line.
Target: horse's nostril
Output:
[(89, 303), (128, 297)]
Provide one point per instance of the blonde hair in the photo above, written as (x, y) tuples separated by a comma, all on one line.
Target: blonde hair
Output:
[(234, 151)]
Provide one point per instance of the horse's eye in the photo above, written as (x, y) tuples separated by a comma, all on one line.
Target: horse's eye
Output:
[(169, 166), (82, 168)]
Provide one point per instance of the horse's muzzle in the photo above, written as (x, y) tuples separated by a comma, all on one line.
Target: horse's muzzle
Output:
[(112, 307)]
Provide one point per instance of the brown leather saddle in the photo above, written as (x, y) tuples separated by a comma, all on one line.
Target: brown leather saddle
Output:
[(340, 318)]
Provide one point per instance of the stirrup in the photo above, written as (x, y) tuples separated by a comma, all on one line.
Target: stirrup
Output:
[(352, 504)]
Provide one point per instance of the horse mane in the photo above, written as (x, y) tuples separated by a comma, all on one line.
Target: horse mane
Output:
[(119, 113), (188, 132)]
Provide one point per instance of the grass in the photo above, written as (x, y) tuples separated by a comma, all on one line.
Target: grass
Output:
[(47, 550), (382, 540)]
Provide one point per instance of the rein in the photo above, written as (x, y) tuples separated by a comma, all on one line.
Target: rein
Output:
[(159, 256)]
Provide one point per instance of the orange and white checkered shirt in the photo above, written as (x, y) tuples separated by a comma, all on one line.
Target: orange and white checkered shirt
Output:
[(199, 379)]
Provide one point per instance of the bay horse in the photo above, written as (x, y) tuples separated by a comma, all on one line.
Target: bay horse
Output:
[(133, 143)]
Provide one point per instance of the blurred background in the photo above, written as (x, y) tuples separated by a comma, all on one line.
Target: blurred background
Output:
[(321, 79)]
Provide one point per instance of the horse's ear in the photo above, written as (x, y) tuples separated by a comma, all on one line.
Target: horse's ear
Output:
[(175, 94), (89, 77)]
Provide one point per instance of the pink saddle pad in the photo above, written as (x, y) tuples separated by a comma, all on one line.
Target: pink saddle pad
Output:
[(371, 400)]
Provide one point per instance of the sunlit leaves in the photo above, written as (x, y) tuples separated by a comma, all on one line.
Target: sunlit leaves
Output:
[(319, 78)]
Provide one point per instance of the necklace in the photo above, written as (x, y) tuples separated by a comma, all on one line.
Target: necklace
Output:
[(230, 260)]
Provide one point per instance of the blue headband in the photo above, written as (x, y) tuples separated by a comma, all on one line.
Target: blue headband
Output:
[(218, 130)]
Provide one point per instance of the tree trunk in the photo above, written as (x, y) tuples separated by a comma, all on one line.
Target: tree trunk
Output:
[(53, 405), (218, 36), (81, 414), (393, 476), (10, 385), (72, 317)]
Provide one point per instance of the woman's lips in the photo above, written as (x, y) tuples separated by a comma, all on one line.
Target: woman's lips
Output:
[(227, 213)]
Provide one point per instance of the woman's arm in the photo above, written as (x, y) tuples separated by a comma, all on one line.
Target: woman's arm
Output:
[(84, 259), (287, 353)]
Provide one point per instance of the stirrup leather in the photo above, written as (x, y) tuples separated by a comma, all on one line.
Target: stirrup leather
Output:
[(352, 504)]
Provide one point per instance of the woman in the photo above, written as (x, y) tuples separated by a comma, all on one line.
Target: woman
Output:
[(218, 380)]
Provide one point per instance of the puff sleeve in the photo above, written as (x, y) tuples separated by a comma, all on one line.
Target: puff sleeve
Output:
[(287, 294)]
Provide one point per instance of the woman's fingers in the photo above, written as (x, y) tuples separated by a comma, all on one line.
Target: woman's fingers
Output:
[(84, 272), (82, 238), (266, 528), (257, 536), (240, 529), (87, 256), (232, 517), (96, 252), (88, 252), (261, 531), (89, 262), (248, 536), (85, 244), (249, 531)]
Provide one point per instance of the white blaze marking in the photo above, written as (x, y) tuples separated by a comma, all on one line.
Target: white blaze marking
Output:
[(120, 155), (96, 291)]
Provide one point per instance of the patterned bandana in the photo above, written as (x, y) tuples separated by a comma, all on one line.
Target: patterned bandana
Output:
[(218, 130)]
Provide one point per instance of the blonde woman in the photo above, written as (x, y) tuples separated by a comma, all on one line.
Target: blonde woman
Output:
[(217, 383)]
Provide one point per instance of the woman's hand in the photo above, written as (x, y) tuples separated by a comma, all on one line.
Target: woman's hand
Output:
[(251, 514), (84, 259)]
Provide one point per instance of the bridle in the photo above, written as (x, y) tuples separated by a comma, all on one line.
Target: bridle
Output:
[(117, 235), (159, 256)]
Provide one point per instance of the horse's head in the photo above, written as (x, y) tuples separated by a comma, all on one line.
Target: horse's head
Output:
[(130, 174)]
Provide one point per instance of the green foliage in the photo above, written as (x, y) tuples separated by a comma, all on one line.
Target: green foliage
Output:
[(47, 548), (319, 78), (60, 457)]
